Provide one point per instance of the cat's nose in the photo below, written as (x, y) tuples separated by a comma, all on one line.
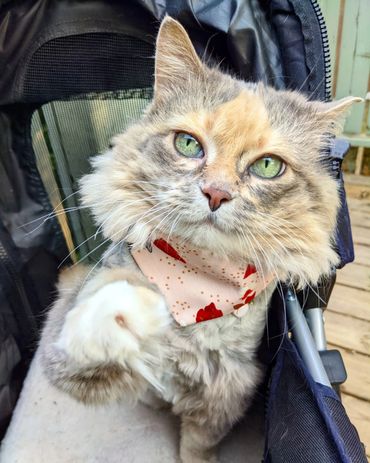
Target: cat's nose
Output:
[(215, 196)]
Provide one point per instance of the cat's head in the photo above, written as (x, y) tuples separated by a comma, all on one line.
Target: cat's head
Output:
[(233, 166)]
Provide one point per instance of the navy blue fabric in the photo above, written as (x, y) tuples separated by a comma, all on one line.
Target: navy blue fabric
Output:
[(343, 238), (297, 39), (290, 38), (306, 422), (344, 241)]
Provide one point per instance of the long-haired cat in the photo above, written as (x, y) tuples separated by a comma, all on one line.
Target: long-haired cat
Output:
[(218, 170)]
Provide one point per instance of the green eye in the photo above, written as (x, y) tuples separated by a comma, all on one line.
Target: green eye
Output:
[(188, 146), (267, 167)]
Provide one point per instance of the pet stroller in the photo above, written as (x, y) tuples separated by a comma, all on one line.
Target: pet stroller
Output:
[(75, 73)]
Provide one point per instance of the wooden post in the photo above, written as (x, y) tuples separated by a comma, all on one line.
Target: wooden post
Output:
[(359, 160)]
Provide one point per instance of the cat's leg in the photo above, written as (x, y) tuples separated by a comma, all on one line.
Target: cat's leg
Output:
[(209, 411), (103, 339), (198, 443), (199, 439), (153, 400)]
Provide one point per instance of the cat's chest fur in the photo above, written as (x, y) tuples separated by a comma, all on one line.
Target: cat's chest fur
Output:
[(217, 354)]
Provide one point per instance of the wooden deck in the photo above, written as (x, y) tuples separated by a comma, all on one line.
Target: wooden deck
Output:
[(348, 314)]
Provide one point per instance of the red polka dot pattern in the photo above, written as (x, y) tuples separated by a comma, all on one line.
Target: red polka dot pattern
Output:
[(197, 284)]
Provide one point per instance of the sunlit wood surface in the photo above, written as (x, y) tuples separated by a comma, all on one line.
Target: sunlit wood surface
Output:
[(348, 314)]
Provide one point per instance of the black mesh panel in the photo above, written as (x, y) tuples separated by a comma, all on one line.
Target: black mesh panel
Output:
[(66, 134), (297, 431), (347, 430), (85, 63)]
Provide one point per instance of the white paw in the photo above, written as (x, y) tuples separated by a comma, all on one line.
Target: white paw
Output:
[(111, 325)]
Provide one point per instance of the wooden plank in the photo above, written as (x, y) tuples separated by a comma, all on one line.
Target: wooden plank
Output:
[(73, 139), (338, 46), (348, 332), (63, 173), (367, 109), (359, 84), (355, 275), (361, 66), (359, 414), (357, 191), (362, 254), (356, 179), (348, 48), (358, 375), (360, 139), (45, 167), (363, 45), (359, 204), (350, 301), (357, 186), (361, 235), (359, 218), (333, 14), (354, 67), (359, 160)]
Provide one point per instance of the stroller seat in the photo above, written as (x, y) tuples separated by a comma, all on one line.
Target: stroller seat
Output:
[(50, 427)]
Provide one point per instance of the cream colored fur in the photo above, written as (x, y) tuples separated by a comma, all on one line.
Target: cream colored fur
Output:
[(92, 335), (109, 335)]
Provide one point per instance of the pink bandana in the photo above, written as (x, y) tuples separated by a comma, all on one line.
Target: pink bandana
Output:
[(197, 285)]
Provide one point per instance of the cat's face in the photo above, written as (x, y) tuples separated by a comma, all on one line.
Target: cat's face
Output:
[(224, 164)]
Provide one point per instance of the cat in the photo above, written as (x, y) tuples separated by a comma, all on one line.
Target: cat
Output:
[(231, 169)]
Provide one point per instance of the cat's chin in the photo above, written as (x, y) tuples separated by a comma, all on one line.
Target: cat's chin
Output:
[(209, 223), (214, 236)]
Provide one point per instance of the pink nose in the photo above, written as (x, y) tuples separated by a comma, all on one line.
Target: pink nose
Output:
[(215, 196)]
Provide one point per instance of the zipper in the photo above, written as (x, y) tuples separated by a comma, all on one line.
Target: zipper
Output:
[(325, 46)]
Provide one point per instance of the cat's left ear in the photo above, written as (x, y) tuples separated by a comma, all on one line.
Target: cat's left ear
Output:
[(176, 59), (334, 112)]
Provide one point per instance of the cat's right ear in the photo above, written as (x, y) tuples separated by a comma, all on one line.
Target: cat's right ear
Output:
[(175, 60)]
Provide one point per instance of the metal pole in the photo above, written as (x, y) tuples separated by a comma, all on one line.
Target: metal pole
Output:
[(315, 320), (303, 339)]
